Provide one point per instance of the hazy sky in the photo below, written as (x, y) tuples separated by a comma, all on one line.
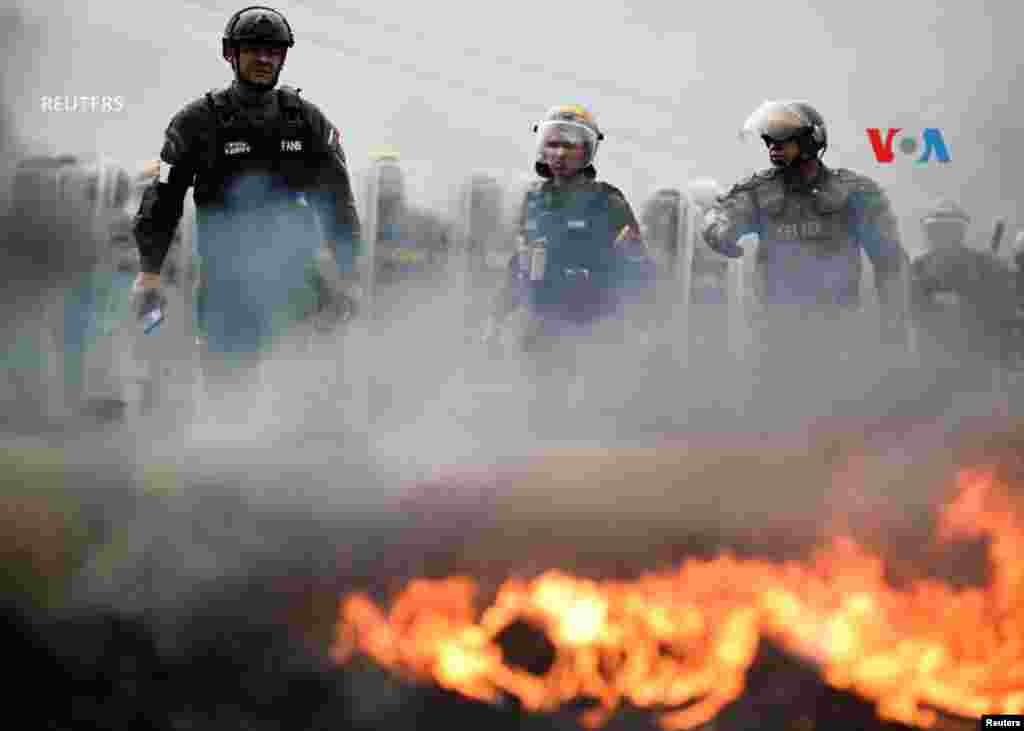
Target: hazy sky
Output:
[(456, 86)]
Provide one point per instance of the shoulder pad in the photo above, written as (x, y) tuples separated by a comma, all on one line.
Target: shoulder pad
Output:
[(290, 96), (862, 192), (615, 197), (195, 108), (753, 182), (193, 116), (611, 189), (856, 181), (217, 97)]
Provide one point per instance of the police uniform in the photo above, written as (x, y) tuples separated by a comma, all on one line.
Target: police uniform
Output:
[(271, 185), (811, 235), (585, 273), (962, 301), (411, 244)]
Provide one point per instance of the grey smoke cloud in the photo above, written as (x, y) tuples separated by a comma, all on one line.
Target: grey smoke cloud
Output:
[(292, 471)]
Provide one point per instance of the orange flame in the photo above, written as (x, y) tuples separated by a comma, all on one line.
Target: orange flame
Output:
[(687, 637)]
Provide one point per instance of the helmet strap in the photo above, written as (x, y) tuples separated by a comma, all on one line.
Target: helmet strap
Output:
[(809, 149)]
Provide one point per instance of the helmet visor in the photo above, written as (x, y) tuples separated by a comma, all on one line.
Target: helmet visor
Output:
[(777, 121), (560, 133)]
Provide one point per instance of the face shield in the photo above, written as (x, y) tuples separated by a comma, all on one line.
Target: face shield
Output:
[(944, 232), (776, 121), (555, 135)]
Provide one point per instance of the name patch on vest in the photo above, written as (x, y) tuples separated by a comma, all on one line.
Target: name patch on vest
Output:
[(803, 230), (237, 148), (291, 145)]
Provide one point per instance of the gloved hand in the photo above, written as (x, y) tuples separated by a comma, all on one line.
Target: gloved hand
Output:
[(730, 249), (147, 300), (336, 301)]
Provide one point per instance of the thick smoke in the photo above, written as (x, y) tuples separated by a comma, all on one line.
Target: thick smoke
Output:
[(213, 541)]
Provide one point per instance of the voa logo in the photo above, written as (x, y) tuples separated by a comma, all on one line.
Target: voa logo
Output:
[(931, 139)]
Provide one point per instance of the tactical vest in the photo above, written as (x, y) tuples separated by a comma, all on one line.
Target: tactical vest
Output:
[(808, 254), (278, 153), (581, 268)]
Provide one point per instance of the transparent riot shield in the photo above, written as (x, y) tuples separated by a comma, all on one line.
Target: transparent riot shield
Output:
[(367, 260), (97, 368), (737, 284), (686, 234), (460, 261), (482, 234), (737, 303), (742, 299)]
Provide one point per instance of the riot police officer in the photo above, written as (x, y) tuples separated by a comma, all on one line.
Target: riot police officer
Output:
[(276, 224), (961, 297), (580, 270), (412, 244), (482, 220), (580, 250), (812, 221)]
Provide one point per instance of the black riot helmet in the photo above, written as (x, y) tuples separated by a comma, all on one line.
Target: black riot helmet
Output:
[(257, 25)]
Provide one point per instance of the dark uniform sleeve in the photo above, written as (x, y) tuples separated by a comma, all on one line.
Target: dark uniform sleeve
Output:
[(922, 285), (163, 201), (625, 226), (621, 214), (636, 270), (335, 198), (877, 230)]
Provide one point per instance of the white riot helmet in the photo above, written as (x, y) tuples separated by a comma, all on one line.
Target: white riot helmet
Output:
[(570, 123), (782, 121)]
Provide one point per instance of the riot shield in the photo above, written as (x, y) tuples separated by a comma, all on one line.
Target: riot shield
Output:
[(744, 326), (686, 241), (95, 301), (477, 266), (738, 298), (113, 372), (367, 259)]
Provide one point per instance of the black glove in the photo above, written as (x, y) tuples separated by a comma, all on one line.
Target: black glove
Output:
[(337, 301), (334, 307)]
